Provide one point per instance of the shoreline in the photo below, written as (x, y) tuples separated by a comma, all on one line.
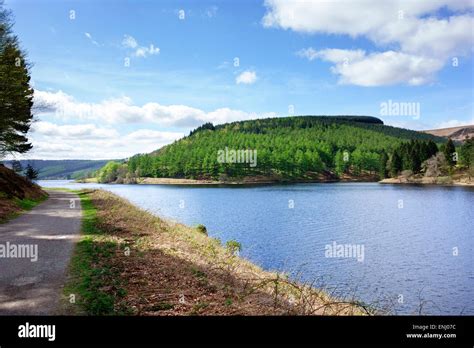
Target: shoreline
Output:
[(258, 181), (404, 181), (196, 182), (173, 181)]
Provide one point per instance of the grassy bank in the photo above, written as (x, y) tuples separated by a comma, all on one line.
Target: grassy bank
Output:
[(132, 262), (17, 194), (11, 208)]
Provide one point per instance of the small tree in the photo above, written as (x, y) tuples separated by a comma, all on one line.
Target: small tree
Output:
[(414, 160), (449, 151), (467, 156), (233, 247), (31, 173), (201, 228), (432, 148), (435, 166), (467, 152)]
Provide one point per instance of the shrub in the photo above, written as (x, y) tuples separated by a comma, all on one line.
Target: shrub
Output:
[(233, 247), (201, 228)]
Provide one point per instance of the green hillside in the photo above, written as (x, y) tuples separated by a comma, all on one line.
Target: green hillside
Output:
[(62, 169), (287, 148)]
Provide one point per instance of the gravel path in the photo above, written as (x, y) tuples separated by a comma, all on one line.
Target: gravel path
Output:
[(46, 233)]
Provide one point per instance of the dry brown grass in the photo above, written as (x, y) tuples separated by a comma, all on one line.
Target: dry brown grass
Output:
[(173, 269)]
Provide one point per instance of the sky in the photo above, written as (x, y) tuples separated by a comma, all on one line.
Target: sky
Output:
[(116, 78)]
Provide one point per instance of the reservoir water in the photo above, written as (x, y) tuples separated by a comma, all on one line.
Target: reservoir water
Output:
[(406, 247)]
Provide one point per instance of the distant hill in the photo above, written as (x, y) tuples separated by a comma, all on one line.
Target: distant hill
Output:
[(287, 148), (455, 133), (62, 169)]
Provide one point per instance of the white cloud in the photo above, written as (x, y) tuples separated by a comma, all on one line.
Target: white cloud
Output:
[(247, 77), (429, 36), (408, 124), (122, 110), (309, 53), (409, 28), (89, 36), (357, 18), (88, 141), (454, 123), (152, 136), (146, 51), (332, 54), (377, 69), (420, 125), (129, 42), (81, 131)]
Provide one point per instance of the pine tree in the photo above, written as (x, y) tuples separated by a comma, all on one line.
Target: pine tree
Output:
[(31, 173), (449, 151), (467, 152), (396, 164), (415, 161), (432, 148), (16, 94)]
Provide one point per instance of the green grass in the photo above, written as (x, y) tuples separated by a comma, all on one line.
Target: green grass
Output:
[(60, 189), (28, 204), (89, 271)]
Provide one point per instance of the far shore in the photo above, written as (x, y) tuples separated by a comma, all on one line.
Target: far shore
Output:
[(244, 181), (440, 181)]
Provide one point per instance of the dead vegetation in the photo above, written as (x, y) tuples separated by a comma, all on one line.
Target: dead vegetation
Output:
[(16, 193)]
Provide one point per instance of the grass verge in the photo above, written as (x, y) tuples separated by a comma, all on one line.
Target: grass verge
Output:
[(93, 285)]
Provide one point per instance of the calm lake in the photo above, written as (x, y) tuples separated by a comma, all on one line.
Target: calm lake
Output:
[(411, 245)]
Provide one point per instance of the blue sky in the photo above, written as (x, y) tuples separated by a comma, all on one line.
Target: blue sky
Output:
[(347, 57)]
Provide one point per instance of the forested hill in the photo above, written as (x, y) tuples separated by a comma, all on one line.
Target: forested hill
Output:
[(287, 148), (261, 125), (302, 122)]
